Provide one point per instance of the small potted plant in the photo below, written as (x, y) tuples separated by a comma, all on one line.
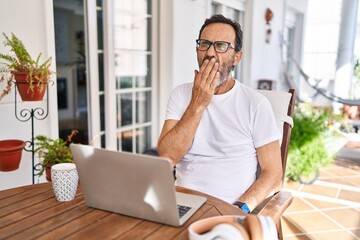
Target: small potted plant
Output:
[(314, 142), (53, 151), (31, 77)]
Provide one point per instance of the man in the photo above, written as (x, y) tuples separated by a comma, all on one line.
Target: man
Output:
[(217, 130)]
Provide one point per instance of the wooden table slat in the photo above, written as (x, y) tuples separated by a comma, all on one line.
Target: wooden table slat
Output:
[(28, 204), (21, 195), (75, 225), (109, 227), (173, 232), (140, 231), (32, 223), (11, 192), (48, 224)]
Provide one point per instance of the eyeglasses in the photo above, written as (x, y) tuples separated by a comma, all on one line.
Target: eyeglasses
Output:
[(219, 46)]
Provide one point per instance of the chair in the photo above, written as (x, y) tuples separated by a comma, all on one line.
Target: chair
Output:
[(283, 104)]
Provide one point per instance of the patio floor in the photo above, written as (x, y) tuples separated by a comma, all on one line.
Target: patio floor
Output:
[(330, 207)]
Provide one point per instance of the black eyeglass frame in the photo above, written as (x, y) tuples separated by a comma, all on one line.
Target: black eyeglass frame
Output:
[(209, 43)]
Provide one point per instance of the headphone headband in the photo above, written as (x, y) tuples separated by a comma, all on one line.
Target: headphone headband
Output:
[(232, 227)]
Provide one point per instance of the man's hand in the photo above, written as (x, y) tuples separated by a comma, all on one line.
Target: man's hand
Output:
[(205, 82)]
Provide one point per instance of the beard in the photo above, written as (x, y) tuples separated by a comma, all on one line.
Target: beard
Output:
[(225, 68)]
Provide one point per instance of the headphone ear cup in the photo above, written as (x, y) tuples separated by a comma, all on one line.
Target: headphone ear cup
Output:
[(253, 225), (260, 227), (226, 231), (268, 228)]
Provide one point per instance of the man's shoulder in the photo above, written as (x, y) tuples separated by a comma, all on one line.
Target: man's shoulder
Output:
[(184, 87), (253, 95)]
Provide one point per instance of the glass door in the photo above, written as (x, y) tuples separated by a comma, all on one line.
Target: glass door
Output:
[(122, 88)]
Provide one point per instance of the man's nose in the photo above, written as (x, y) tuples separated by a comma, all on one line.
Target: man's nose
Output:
[(211, 51)]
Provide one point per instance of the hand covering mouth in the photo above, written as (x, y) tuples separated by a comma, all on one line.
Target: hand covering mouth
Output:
[(209, 58)]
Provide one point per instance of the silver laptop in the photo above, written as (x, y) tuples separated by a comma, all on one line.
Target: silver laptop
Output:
[(136, 185)]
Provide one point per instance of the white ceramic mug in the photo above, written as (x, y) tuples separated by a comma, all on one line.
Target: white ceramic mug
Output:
[(64, 181)]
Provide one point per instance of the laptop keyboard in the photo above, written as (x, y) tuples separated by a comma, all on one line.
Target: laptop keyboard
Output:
[(183, 210)]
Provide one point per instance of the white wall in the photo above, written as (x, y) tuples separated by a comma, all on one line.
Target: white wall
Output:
[(33, 24), (265, 57)]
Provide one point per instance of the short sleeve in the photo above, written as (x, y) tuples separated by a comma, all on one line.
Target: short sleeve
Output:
[(265, 129), (177, 102)]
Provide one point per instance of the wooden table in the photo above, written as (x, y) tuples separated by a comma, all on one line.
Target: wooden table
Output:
[(31, 212)]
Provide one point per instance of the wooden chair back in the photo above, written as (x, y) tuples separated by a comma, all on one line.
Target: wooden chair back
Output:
[(283, 104)]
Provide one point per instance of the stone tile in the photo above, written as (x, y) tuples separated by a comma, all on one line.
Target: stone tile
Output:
[(298, 205), (354, 181), (349, 217), (307, 222), (356, 232), (320, 190), (323, 204), (342, 171), (289, 226), (349, 195), (324, 173), (346, 181), (343, 235), (298, 237), (292, 185)]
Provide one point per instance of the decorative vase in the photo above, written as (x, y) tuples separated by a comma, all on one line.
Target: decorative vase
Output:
[(10, 154), (25, 92)]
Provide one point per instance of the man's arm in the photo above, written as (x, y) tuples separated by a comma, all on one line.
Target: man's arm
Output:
[(269, 158), (176, 136)]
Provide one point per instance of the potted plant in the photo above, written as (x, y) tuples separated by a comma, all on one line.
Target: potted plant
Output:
[(31, 77), (10, 154), (314, 143), (53, 151)]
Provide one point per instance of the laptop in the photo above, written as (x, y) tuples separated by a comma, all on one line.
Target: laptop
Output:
[(135, 185)]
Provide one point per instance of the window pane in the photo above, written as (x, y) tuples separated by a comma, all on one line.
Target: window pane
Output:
[(102, 141), (124, 107), (132, 25), (100, 29), (124, 82), (136, 6), (102, 113), (232, 13), (101, 71), (125, 141), (143, 140), (215, 8), (143, 78), (129, 66), (143, 107)]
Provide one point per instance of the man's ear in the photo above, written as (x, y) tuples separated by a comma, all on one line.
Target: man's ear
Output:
[(237, 58)]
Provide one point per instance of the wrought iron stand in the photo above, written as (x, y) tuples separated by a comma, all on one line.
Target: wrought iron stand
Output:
[(25, 115)]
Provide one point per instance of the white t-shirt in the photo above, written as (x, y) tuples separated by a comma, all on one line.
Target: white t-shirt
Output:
[(222, 159)]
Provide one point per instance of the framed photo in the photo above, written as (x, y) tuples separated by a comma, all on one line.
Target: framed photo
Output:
[(66, 89), (265, 84)]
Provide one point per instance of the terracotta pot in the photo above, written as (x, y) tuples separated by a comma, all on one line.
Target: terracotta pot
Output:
[(10, 154), (23, 87), (48, 173)]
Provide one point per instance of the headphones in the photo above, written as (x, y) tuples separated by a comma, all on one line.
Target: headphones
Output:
[(250, 227)]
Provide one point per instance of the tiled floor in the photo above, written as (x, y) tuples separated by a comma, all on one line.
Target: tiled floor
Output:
[(327, 209)]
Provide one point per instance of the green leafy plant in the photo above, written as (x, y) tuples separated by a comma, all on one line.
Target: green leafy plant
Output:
[(53, 151), (21, 61), (307, 149)]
